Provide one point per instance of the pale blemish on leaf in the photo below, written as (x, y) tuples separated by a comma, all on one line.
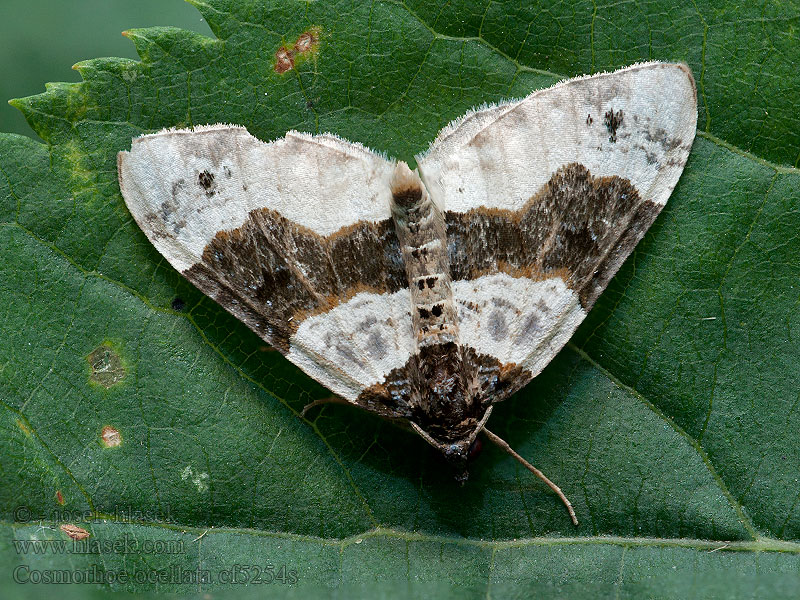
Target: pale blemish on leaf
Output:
[(130, 75), (111, 437), (200, 480), (75, 532), (25, 429), (106, 365), (81, 171)]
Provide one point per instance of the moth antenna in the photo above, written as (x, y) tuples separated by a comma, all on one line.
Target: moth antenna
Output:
[(328, 400), (504, 445)]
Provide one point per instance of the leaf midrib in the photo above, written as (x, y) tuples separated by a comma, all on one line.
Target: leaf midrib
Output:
[(761, 544)]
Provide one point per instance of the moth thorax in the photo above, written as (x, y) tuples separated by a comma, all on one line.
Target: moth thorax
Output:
[(449, 410)]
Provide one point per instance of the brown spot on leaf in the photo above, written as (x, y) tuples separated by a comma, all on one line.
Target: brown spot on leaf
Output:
[(284, 60), (106, 365), (60, 497), (306, 42), (25, 429), (111, 437), (75, 532)]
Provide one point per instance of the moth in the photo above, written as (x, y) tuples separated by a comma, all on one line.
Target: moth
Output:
[(424, 295)]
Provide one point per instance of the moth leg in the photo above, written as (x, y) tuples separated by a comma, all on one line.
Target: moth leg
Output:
[(504, 445), (328, 400)]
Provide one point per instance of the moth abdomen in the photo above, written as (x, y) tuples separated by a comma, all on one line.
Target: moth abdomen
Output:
[(422, 233)]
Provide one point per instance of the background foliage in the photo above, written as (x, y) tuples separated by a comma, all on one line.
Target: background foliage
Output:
[(41, 39), (670, 420)]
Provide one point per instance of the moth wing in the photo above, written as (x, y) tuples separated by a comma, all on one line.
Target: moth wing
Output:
[(270, 230), (502, 156), (545, 197)]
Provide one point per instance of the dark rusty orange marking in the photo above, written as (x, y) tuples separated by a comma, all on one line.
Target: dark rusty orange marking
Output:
[(284, 60), (111, 437), (305, 42), (75, 532)]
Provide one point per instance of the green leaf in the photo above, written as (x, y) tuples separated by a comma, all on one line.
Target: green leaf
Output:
[(670, 419)]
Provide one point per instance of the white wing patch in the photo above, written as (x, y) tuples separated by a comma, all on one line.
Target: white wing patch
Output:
[(515, 319), (184, 186), (356, 344), (501, 156)]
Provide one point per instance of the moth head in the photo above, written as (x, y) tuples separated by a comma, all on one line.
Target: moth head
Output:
[(457, 451)]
